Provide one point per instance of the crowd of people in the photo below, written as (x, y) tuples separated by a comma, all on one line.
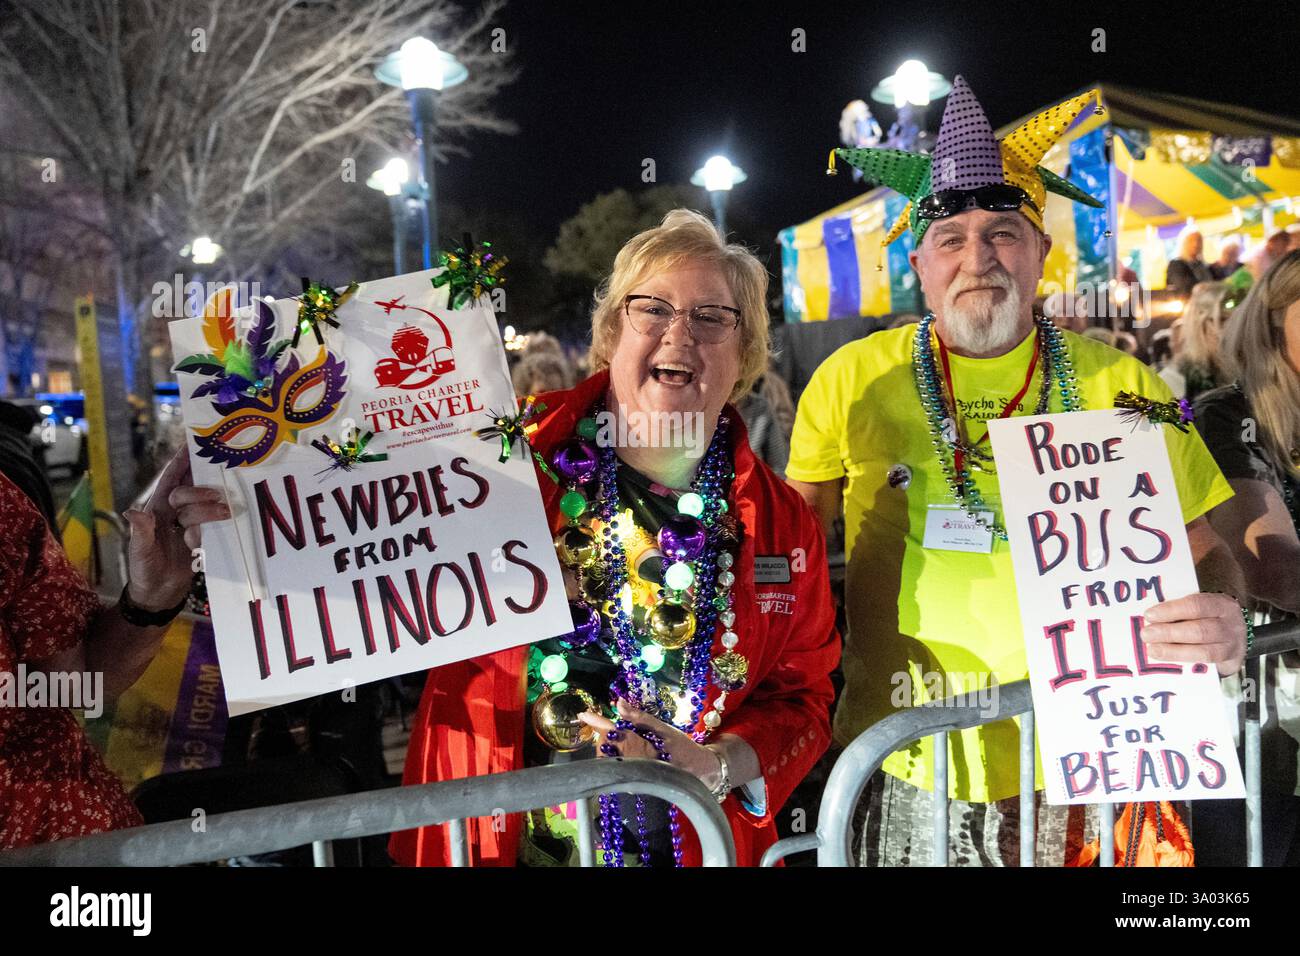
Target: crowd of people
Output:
[(742, 695)]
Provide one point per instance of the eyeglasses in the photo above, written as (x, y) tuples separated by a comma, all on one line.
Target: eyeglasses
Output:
[(996, 198), (709, 324)]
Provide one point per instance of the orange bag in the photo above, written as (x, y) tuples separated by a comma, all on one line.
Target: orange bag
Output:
[(1146, 834)]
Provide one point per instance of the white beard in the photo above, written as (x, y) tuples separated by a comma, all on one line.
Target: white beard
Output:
[(982, 330)]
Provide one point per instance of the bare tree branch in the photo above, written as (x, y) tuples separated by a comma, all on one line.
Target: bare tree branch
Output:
[(243, 140)]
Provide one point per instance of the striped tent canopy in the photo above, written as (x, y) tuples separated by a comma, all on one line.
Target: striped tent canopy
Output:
[(1176, 162)]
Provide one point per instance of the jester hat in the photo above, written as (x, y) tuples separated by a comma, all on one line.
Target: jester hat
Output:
[(967, 156)]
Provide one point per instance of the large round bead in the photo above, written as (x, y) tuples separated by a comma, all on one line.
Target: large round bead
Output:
[(586, 624), (577, 547), (679, 576), (575, 459), (555, 719), (573, 504), (671, 625), (682, 537), (691, 504), (730, 671)]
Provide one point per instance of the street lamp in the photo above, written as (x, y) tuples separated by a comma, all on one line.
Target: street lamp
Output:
[(910, 90), (202, 251), (393, 180), (718, 175), (422, 70)]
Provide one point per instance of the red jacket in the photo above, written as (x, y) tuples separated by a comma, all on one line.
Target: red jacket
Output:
[(472, 716)]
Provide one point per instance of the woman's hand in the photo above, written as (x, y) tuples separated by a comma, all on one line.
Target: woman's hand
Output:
[(164, 534), (682, 750)]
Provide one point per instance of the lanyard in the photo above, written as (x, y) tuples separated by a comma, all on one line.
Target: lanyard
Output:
[(958, 456)]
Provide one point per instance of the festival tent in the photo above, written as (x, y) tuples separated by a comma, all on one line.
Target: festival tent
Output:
[(1158, 162)]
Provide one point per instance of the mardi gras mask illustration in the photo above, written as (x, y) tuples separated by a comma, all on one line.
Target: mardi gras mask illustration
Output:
[(235, 367), (262, 406), (252, 428)]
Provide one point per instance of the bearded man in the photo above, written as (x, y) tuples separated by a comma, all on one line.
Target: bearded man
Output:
[(892, 430)]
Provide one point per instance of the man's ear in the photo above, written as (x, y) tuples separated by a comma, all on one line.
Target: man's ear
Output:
[(1047, 247)]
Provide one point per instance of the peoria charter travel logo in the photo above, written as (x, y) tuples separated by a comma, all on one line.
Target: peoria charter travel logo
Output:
[(424, 399), (417, 363)]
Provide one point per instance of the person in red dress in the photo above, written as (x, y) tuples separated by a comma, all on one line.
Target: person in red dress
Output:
[(53, 784), (680, 328)]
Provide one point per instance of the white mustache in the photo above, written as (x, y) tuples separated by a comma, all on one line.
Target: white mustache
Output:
[(999, 279)]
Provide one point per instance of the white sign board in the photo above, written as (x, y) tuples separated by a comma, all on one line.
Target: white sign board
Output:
[(328, 576), (1097, 537)]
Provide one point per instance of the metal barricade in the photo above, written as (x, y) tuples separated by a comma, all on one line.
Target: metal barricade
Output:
[(317, 822), (863, 757)]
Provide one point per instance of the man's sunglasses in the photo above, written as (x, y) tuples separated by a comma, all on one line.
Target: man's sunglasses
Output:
[(949, 202)]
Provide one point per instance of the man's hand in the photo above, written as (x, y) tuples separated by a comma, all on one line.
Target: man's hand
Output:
[(1199, 627)]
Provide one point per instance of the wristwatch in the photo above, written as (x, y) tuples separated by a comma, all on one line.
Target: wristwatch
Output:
[(137, 616), (724, 784)]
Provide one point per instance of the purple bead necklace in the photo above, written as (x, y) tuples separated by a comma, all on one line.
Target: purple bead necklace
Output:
[(633, 681), (697, 542)]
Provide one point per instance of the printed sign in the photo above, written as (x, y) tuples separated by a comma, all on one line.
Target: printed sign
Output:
[(1097, 537), (420, 549)]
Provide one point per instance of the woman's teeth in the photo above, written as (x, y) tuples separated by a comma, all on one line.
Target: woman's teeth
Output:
[(672, 375)]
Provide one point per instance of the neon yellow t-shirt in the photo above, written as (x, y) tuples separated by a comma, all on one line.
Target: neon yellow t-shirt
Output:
[(927, 624)]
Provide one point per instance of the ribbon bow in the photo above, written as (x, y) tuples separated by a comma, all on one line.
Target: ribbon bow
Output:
[(517, 428), (317, 305), (1137, 407), (468, 271), (347, 454)]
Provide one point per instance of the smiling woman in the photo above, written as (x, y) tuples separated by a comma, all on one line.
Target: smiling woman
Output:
[(673, 655)]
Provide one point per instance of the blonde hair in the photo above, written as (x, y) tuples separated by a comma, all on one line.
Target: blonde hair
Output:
[(685, 236), (1203, 317), (1185, 243), (1254, 351)]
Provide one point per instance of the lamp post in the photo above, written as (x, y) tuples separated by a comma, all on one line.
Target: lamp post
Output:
[(718, 175), (423, 71), (393, 180), (910, 90), (203, 251)]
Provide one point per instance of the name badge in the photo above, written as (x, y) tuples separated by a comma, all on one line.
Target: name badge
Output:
[(771, 569), (951, 529)]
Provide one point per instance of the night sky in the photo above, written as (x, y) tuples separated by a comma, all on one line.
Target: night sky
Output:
[(606, 84)]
